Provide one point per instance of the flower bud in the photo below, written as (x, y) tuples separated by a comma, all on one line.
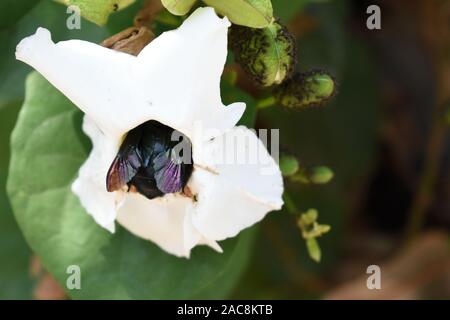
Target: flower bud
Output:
[(314, 175), (314, 249), (267, 54), (321, 175), (289, 165), (311, 230), (305, 90)]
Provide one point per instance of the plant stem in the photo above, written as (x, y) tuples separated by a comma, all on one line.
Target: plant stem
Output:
[(266, 102), (428, 179), (435, 29), (290, 204)]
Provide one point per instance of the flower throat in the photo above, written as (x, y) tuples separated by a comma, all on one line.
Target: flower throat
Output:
[(153, 160)]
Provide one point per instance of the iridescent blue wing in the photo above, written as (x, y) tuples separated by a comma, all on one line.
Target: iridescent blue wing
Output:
[(127, 162), (168, 173), (122, 170)]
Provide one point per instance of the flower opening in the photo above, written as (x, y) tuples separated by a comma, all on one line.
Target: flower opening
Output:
[(153, 160)]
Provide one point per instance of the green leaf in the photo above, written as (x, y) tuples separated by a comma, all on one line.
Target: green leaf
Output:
[(48, 148), (97, 11), (15, 282), (250, 13), (313, 249), (178, 7), (13, 10)]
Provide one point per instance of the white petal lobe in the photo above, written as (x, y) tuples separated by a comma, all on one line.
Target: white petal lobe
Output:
[(174, 80), (243, 184), (90, 186), (162, 221), (94, 78)]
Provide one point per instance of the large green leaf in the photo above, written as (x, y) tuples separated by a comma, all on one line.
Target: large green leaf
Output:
[(15, 282), (13, 10), (48, 148), (97, 11), (178, 7), (249, 13)]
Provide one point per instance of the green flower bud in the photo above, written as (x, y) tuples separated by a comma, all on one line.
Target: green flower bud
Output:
[(310, 227), (267, 54), (314, 249), (311, 230), (289, 165), (249, 13), (314, 175), (321, 175), (308, 218), (306, 90), (178, 7)]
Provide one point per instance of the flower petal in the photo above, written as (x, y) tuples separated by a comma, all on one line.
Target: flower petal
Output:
[(174, 80), (234, 193), (163, 221), (90, 186), (94, 78), (189, 63)]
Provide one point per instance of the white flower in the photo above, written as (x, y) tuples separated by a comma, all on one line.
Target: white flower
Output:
[(174, 80)]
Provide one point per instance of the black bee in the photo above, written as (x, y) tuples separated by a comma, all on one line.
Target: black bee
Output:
[(153, 160)]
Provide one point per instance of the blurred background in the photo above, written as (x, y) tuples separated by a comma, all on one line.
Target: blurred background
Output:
[(384, 135)]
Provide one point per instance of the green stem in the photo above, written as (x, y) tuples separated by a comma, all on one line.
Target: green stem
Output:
[(289, 203), (266, 102)]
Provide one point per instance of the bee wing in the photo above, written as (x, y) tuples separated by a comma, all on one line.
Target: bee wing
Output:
[(122, 170), (168, 173)]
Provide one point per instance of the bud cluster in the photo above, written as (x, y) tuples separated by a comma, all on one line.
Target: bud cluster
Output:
[(267, 54)]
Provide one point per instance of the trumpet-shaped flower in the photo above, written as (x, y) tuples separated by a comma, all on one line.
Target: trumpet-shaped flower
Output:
[(132, 105)]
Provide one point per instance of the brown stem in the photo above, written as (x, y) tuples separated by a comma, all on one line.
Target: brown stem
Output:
[(435, 30), (428, 179), (148, 12)]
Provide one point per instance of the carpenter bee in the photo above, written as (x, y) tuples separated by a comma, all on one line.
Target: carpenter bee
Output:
[(153, 160)]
